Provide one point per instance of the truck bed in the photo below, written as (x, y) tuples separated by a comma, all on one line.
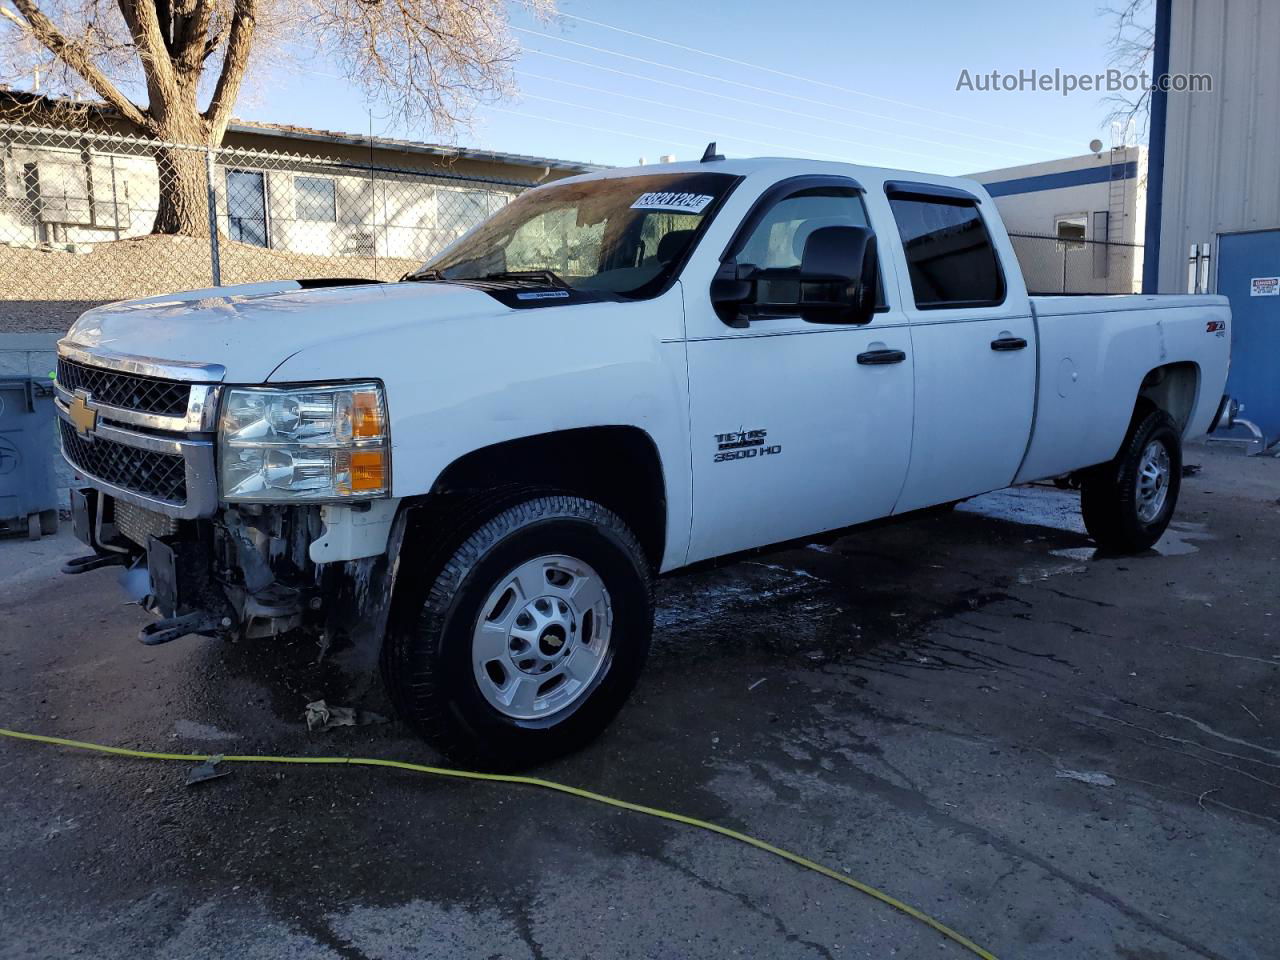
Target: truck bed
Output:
[(1095, 353)]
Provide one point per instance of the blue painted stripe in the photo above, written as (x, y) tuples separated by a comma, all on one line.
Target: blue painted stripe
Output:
[(1070, 178)]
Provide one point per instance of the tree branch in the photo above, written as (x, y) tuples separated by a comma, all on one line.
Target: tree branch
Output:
[(191, 35), (149, 40), (234, 63), (79, 59)]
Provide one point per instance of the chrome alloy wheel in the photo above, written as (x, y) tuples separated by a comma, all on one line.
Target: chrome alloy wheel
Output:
[(541, 637), (1153, 481)]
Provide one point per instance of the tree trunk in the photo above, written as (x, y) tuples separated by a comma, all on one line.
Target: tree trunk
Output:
[(184, 192)]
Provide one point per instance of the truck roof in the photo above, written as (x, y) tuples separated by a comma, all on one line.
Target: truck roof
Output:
[(782, 167)]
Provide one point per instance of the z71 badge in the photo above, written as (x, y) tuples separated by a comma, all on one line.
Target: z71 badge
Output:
[(744, 445)]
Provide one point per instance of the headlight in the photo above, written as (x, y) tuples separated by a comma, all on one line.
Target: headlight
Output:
[(303, 443)]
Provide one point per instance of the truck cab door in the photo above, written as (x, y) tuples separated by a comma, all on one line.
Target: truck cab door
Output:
[(974, 341), (796, 427)]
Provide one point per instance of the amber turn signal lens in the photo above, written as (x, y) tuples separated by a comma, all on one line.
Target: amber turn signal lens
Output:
[(368, 470), (366, 416)]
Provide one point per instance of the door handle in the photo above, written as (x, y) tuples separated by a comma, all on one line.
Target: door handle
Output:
[(1008, 343), (881, 357)]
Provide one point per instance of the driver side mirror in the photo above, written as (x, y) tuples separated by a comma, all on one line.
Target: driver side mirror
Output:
[(837, 281), (839, 275)]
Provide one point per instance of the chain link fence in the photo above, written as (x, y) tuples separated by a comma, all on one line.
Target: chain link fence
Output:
[(77, 211), (1054, 265)]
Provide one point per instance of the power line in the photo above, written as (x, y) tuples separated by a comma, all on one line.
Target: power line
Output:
[(765, 90), (794, 76), (675, 126), (591, 126), (983, 152), (751, 103)]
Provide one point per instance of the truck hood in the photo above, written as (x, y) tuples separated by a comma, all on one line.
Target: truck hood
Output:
[(251, 329)]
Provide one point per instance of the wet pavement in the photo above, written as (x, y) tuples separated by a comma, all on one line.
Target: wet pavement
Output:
[(1061, 755)]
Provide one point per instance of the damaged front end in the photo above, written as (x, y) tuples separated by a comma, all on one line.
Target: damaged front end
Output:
[(235, 512), (248, 572)]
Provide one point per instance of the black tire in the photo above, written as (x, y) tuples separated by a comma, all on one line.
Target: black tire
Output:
[(427, 661), (1109, 496)]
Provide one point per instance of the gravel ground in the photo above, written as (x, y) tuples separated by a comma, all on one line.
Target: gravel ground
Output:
[(43, 289), (1060, 754), (41, 316)]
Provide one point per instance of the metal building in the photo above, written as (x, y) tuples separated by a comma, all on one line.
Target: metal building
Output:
[(1213, 221)]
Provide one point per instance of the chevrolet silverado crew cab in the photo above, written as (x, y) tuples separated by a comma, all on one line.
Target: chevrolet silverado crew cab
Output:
[(477, 472)]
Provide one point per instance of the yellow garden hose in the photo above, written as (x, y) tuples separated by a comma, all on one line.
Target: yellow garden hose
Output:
[(529, 782)]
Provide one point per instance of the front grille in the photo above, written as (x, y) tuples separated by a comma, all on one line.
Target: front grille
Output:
[(127, 390), (152, 474)]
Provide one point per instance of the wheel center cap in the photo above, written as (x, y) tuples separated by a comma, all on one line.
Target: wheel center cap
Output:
[(552, 640)]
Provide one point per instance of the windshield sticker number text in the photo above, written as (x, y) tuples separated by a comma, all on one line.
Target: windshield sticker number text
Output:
[(676, 202)]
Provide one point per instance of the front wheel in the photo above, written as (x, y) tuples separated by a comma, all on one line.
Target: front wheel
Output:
[(529, 638), (1127, 504)]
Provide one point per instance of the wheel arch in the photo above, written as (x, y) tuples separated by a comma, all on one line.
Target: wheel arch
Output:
[(618, 466), (1173, 388)]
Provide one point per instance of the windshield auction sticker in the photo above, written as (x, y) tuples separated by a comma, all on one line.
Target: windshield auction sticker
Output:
[(674, 202)]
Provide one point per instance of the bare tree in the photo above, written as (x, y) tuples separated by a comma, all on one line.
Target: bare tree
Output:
[(187, 60), (1132, 50)]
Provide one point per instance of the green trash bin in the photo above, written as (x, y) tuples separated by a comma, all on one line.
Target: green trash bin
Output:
[(27, 448)]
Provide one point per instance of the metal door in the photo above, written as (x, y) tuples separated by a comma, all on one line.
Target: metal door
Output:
[(797, 427), (1249, 276)]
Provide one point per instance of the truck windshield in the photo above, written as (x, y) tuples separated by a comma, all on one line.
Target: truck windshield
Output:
[(622, 235)]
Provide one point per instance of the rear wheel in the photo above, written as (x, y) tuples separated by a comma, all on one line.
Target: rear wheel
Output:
[(529, 637), (1127, 504)]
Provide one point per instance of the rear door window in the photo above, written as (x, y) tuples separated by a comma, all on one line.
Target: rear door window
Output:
[(950, 257)]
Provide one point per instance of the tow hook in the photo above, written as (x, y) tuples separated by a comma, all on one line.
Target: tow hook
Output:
[(171, 628)]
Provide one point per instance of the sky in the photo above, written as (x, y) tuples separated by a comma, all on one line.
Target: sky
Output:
[(864, 81)]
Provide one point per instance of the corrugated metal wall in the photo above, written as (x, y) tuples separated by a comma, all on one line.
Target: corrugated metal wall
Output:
[(1222, 160)]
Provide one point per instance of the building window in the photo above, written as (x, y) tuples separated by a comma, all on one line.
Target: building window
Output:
[(247, 207), (1073, 226), (314, 199)]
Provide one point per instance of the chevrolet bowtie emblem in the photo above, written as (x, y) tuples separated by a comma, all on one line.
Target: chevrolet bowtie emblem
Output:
[(84, 418)]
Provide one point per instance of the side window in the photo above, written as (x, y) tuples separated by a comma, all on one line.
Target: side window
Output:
[(778, 240), (950, 258)]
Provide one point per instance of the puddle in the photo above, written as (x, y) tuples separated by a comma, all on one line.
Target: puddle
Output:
[(1060, 510), (1178, 539), (1075, 553), (722, 594), (1036, 506), (1043, 572)]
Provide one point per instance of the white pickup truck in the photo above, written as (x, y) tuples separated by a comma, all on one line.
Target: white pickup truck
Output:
[(478, 471)]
